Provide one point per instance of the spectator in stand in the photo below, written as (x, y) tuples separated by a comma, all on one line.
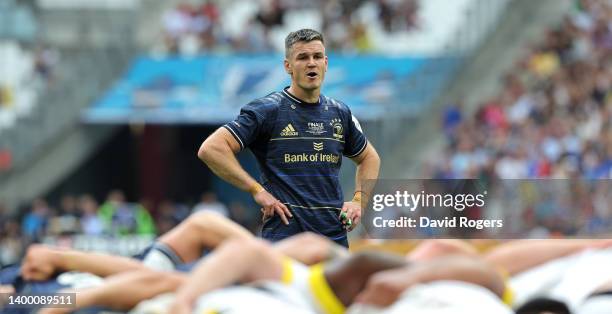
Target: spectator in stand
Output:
[(409, 11), (254, 39), (385, 14), (67, 222), (165, 220), (244, 217), (192, 29), (68, 206), (91, 222), (175, 23), (362, 43), (209, 201), (398, 15), (335, 24), (45, 60), (6, 96), (122, 218), (35, 222), (451, 118), (169, 215), (11, 242), (4, 215), (271, 13), (552, 117)]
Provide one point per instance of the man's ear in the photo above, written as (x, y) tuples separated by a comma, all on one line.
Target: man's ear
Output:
[(288, 67), (326, 63)]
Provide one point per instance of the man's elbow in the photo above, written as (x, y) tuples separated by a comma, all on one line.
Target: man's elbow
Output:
[(208, 149), (203, 152), (220, 144), (372, 156), (375, 156)]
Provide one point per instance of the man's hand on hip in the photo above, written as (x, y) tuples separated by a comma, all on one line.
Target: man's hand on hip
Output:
[(271, 205), (351, 216)]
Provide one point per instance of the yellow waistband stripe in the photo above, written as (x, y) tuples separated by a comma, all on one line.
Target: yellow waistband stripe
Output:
[(287, 276), (508, 295), (324, 295)]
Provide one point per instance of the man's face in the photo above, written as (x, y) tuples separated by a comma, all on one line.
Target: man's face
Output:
[(307, 64)]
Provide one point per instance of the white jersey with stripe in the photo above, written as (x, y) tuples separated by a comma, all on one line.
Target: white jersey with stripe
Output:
[(269, 298), (601, 304), (590, 271), (570, 279), (304, 287), (250, 299), (540, 280), (302, 290), (441, 297)]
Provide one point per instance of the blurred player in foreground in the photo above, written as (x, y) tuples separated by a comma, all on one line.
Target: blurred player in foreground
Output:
[(365, 278), (48, 270), (314, 290)]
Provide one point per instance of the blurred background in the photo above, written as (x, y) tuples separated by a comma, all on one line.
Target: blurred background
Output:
[(104, 103)]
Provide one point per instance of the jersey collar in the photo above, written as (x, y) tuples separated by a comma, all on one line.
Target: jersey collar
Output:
[(297, 100)]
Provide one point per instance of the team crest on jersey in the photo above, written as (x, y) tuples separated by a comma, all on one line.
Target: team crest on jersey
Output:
[(289, 131), (337, 128), (316, 128)]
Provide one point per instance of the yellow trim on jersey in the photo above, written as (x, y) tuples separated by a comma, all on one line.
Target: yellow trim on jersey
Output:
[(210, 312), (322, 292), (319, 207), (508, 295), (305, 138), (287, 276)]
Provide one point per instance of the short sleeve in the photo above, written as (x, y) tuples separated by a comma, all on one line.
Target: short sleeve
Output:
[(356, 141), (247, 126)]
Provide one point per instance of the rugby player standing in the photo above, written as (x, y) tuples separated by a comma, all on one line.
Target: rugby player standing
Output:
[(298, 137)]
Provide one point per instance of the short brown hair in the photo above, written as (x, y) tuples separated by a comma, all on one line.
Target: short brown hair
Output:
[(305, 35)]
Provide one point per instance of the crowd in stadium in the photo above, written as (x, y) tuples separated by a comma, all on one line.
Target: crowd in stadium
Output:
[(190, 29), (113, 217), (552, 119)]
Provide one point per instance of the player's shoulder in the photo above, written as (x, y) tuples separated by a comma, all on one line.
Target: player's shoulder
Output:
[(335, 103), (269, 102), (339, 105), (10, 274), (265, 107)]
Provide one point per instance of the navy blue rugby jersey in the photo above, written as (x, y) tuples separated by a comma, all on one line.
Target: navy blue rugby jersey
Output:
[(299, 148)]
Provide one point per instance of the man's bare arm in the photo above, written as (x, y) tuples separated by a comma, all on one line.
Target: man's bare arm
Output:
[(218, 151), (385, 287), (310, 248), (518, 256), (200, 231), (42, 261), (248, 260), (124, 291), (368, 166)]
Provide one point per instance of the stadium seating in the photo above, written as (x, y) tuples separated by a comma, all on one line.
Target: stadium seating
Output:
[(414, 58), (548, 121), (18, 94)]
